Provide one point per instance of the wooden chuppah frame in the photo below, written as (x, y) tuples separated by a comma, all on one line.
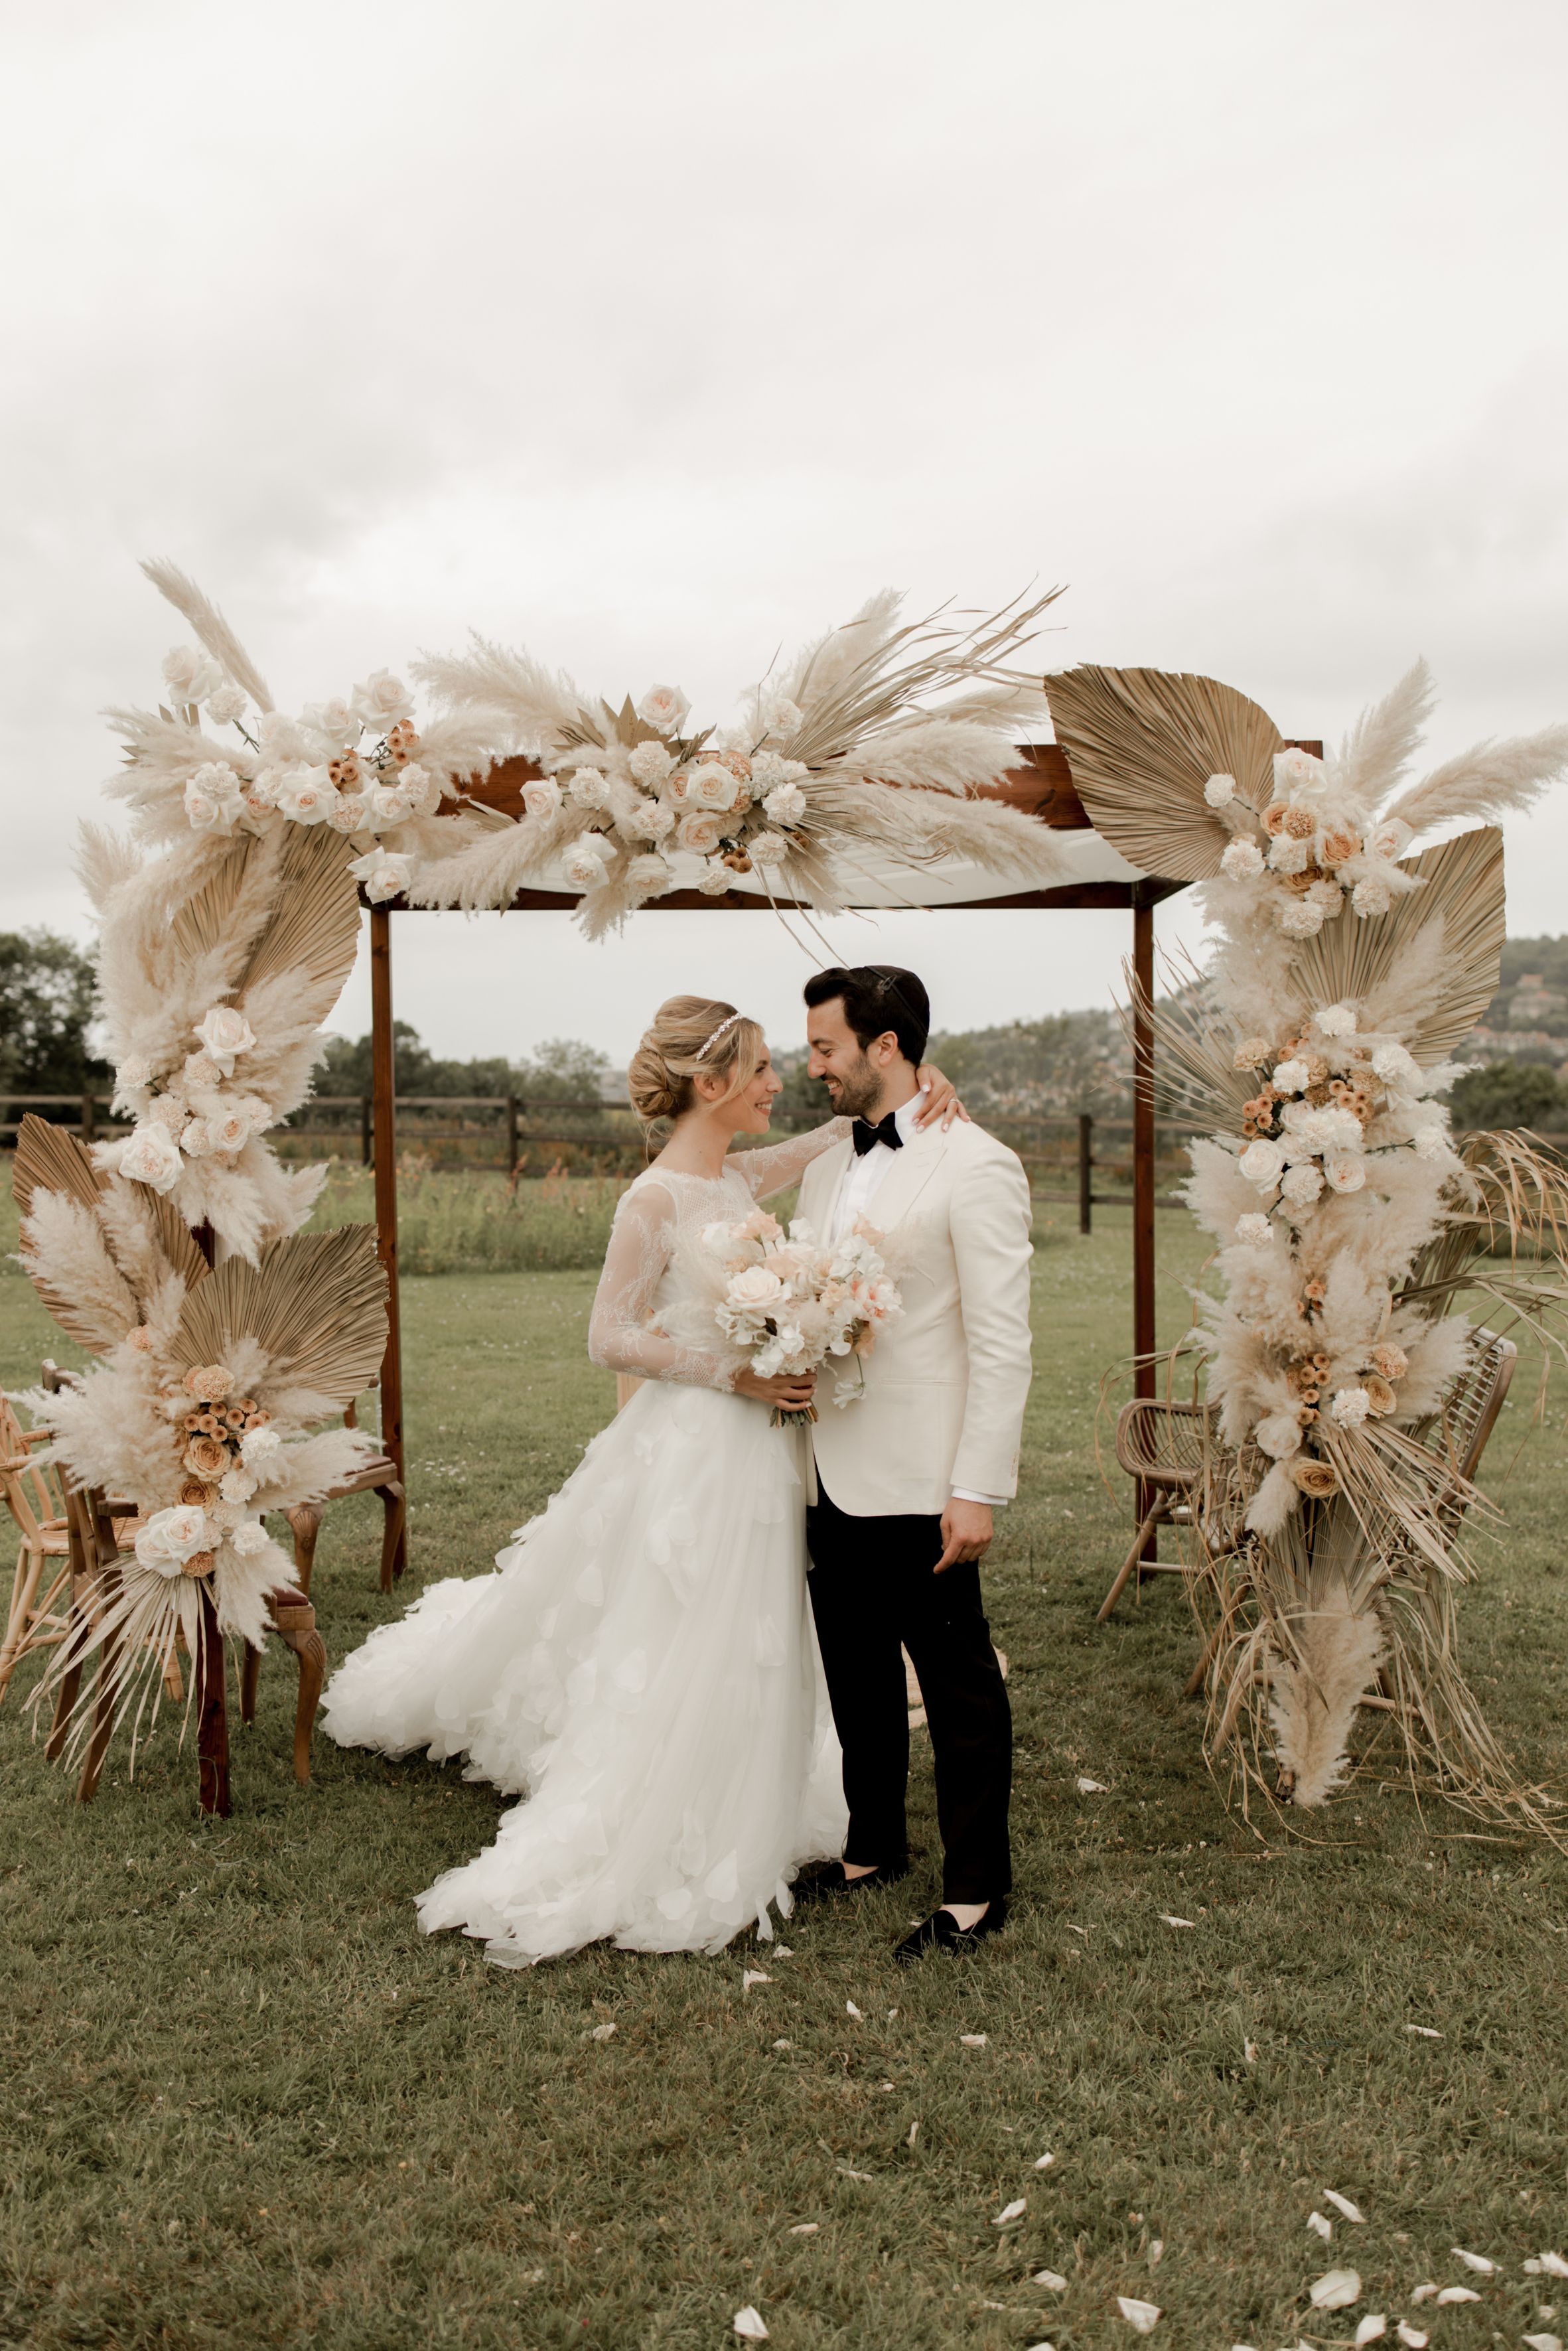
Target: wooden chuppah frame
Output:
[(1042, 787)]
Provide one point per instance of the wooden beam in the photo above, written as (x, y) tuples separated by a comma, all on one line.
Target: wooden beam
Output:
[(1144, 1172), (384, 1081)]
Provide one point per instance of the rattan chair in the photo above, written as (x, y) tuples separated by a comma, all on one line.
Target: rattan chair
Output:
[(1163, 1445), (40, 1586)]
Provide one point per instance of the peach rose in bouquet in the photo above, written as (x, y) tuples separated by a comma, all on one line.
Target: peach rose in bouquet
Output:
[(790, 1303)]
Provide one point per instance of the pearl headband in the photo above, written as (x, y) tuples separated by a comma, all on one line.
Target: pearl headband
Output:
[(723, 1028)]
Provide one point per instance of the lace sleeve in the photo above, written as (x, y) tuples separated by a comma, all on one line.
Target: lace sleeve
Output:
[(623, 1335), (779, 1164)]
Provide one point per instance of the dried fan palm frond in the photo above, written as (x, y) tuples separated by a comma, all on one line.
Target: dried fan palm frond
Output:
[(50, 1159), (312, 932), (78, 1277), (67, 1261), (1142, 743), (1460, 900), (1489, 780), (316, 1305), (211, 627)]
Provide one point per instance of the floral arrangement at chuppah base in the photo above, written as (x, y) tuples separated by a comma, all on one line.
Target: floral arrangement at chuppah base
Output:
[(200, 1408), (1349, 1226), (790, 1303)]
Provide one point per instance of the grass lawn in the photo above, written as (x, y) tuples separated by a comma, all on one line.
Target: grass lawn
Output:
[(246, 2102)]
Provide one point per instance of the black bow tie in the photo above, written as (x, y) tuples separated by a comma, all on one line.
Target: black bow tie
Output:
[(866, 1137)]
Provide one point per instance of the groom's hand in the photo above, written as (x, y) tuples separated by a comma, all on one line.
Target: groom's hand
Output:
[(966, 1531)]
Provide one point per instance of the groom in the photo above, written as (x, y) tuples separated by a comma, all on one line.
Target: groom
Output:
[(906, 1480)]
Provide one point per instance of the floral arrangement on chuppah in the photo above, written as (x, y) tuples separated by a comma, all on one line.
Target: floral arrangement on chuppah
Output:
[(1350, 1229), (791, 1301), (201, 1406)]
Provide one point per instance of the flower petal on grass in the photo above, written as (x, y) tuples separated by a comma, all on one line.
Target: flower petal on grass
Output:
[(783, 2045), (1051, 2278), (851, 2009), (1554, 2265), (1092, 1788), (1141, 2315), (913, 2133), (971, 2041), (783, 1952), (1544, 2341), (1323, 2226), (1372, 2327), (805, 2228), (1425, 2030), (1477, 2262), (1342, 2204), (1249, 2051), (1167, 1920), (1411, 2336), (1424, 2293), (1043, 2162), (1336, 2290), (602, 2033), (1458, 2294), (747, 2324), (1010, 2212), (849, 2174), (753, 1976)]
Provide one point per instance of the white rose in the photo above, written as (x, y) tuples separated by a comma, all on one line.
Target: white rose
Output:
[(230, 1131), (237, 1484), (649, 763), (384, 805), (754, 1287), (1296, 771), (1335, 1020), (663, 706), (767, 849), (151, 1155), (191, 674), (226, 704), (1391, 840), (587, 862), (212, 798), (1290, 1077), (1301, 1184), (223, 1033), (1243, 861), (173, 1535), (589, 787), (383, 875), (1345, 1173), (700, 833), (1280, 1435), (381, 701), (261, 792), (1261, 1164), (782, 716), (1371, 896), (303, 794), (1219, 790), (709, 786), (250, 1537), (649, 875), (1349, 1407), (541, 796), (1254, 1231), (784, 804), (334, 722), (261, 1450)]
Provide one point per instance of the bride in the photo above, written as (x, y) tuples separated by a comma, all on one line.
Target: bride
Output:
[(641, 1665)]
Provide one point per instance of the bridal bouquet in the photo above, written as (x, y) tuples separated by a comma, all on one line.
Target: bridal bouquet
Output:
[(791, 1302)]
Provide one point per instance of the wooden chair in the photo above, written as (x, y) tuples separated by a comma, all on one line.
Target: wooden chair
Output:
[(34, 1618), (379, 1476), (1163, 1447)]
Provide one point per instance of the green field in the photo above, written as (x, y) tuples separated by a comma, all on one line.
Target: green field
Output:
[(246, 2102)]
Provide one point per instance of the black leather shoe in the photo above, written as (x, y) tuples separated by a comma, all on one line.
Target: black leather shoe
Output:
[(824, 1878), (942, 1932)]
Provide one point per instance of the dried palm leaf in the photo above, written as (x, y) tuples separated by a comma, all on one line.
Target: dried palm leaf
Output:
[(316, 1303), (49, 1159), (313, 932), (1352, 962), (211, 627), (1142, 743)]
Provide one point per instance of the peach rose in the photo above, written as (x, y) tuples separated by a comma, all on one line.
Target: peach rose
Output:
[(205, 1457), (1391, 1361), (700, 833), (1274, 816), (1340, 843), (197, 1495), (1316, 1479), (1380, 1395)]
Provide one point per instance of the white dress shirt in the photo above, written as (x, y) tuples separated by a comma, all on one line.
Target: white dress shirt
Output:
[(862, 1179)]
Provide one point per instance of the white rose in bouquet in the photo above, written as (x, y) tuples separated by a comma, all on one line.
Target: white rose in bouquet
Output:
[(588, 861), (383, 875), (381, 701), (224, 1033), (151, 1155), (795, 1302), (700, 833), (663, 706), (171, 1537), (710, 786), (541, 796), (334, 722), (649, 875), (191, 674), (304, 795)]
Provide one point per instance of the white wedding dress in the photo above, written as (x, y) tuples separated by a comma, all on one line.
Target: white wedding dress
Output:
[(641, 1665)]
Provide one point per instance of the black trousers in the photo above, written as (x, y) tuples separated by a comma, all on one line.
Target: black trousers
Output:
[(873, 1589)]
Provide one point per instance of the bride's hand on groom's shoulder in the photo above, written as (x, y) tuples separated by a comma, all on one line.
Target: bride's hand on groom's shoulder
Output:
[(942, 1105), (789, 1391)]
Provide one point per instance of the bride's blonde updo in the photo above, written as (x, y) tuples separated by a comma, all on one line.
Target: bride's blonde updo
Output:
[(689, 1034)]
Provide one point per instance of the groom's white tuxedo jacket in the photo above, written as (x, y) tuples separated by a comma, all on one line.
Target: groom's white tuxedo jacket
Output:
[(945, 1385)]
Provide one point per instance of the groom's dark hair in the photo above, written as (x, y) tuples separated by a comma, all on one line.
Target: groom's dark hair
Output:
[(878, 997)]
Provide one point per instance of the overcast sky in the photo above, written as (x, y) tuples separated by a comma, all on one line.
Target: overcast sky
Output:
[(653, 339)]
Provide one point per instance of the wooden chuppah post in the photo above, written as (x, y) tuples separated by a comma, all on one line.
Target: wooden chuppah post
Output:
[(1143, 1169), (212, 1696), (383, 1080)]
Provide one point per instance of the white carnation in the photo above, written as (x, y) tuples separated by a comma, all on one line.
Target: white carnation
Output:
[(1349, 1407), (250, 1537), (1289, 855), (1397, 1068), (1432, 1142), (1280, 1435), (1335, 1020), (212, 798), (237, 1484), (420, 789), (348, 813), (382, 701), (589, 787), (1254, 1231), (151, 1155), (261, 1450), (1300, 919), (383, 874), (136, 1070), (1243, 861), (663, 706), (196, 1138), (716, 878), (541, 796), (784, 804), (226, 704), (1300, 1185), (1219, 790), (649, 763), (767, 849), (1261, 1164), (1291, 1077), (1371, 896), (782, 716)]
